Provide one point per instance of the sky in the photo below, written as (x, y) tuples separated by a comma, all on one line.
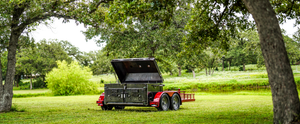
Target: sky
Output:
[(65, 31), (72, 33)]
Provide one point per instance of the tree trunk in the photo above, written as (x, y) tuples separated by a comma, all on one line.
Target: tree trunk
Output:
[(206, 71), (7, 91), (171, 73), (194, 75), (1, 87), (229, 65), (31, 82), (17, 80), (222, 65), (286, 105), (209, 71), (244, 68), (212, 71), (179, 71)]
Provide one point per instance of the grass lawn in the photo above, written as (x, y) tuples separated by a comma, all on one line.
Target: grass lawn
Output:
[(31, 91), (239, 107)]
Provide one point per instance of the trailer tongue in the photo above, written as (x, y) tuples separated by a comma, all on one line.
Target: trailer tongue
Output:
[(140, 84)]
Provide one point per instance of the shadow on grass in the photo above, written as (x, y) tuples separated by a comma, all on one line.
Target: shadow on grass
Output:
[(138, 110), (131, 109)]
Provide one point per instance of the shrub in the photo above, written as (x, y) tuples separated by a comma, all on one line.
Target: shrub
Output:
[(70, 79)]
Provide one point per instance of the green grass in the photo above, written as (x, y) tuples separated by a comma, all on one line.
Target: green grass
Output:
[(220, 101), (239, 107), (31, 91)]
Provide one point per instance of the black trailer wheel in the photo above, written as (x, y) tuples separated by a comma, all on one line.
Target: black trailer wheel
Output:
[(175, 102), (106, 107), (164, 103), (119, 107)]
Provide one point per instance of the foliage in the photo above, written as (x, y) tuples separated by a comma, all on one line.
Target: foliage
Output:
[(40, 58), (70, 79), (213, 22), (286, 9), (245, 49), (3, 63), (145, 37), (39, 83), (101, 63), (292, 48), (71, 50), (122, 12)]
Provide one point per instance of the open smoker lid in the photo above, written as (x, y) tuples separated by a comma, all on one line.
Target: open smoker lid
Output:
[(137, 70)]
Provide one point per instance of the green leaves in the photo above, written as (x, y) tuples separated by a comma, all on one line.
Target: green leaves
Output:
[(121, 12), (41, 57), (292, 48), (70, 79), (215, 21)]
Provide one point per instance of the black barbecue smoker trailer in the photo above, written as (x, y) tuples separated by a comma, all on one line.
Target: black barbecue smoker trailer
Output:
[(140, 84)]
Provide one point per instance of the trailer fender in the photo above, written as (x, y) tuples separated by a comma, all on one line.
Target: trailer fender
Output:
[(155, 102), (101, 100)]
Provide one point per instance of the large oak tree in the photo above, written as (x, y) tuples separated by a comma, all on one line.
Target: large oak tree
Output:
[(286, 105), (215, 16), (18, 16)]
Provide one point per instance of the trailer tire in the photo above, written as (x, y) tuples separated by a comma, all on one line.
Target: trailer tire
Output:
[(175, 102), (106, 107), (119, 107), (164, 103)]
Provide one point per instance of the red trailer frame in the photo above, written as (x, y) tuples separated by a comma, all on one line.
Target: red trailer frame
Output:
[(184, 97)]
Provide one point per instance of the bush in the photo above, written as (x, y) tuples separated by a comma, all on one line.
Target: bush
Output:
[(70, 79)]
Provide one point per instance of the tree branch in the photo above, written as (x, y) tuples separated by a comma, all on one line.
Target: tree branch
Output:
[(98, 4), (45, 16), (290, 10), (70, 1), (2, 26)]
